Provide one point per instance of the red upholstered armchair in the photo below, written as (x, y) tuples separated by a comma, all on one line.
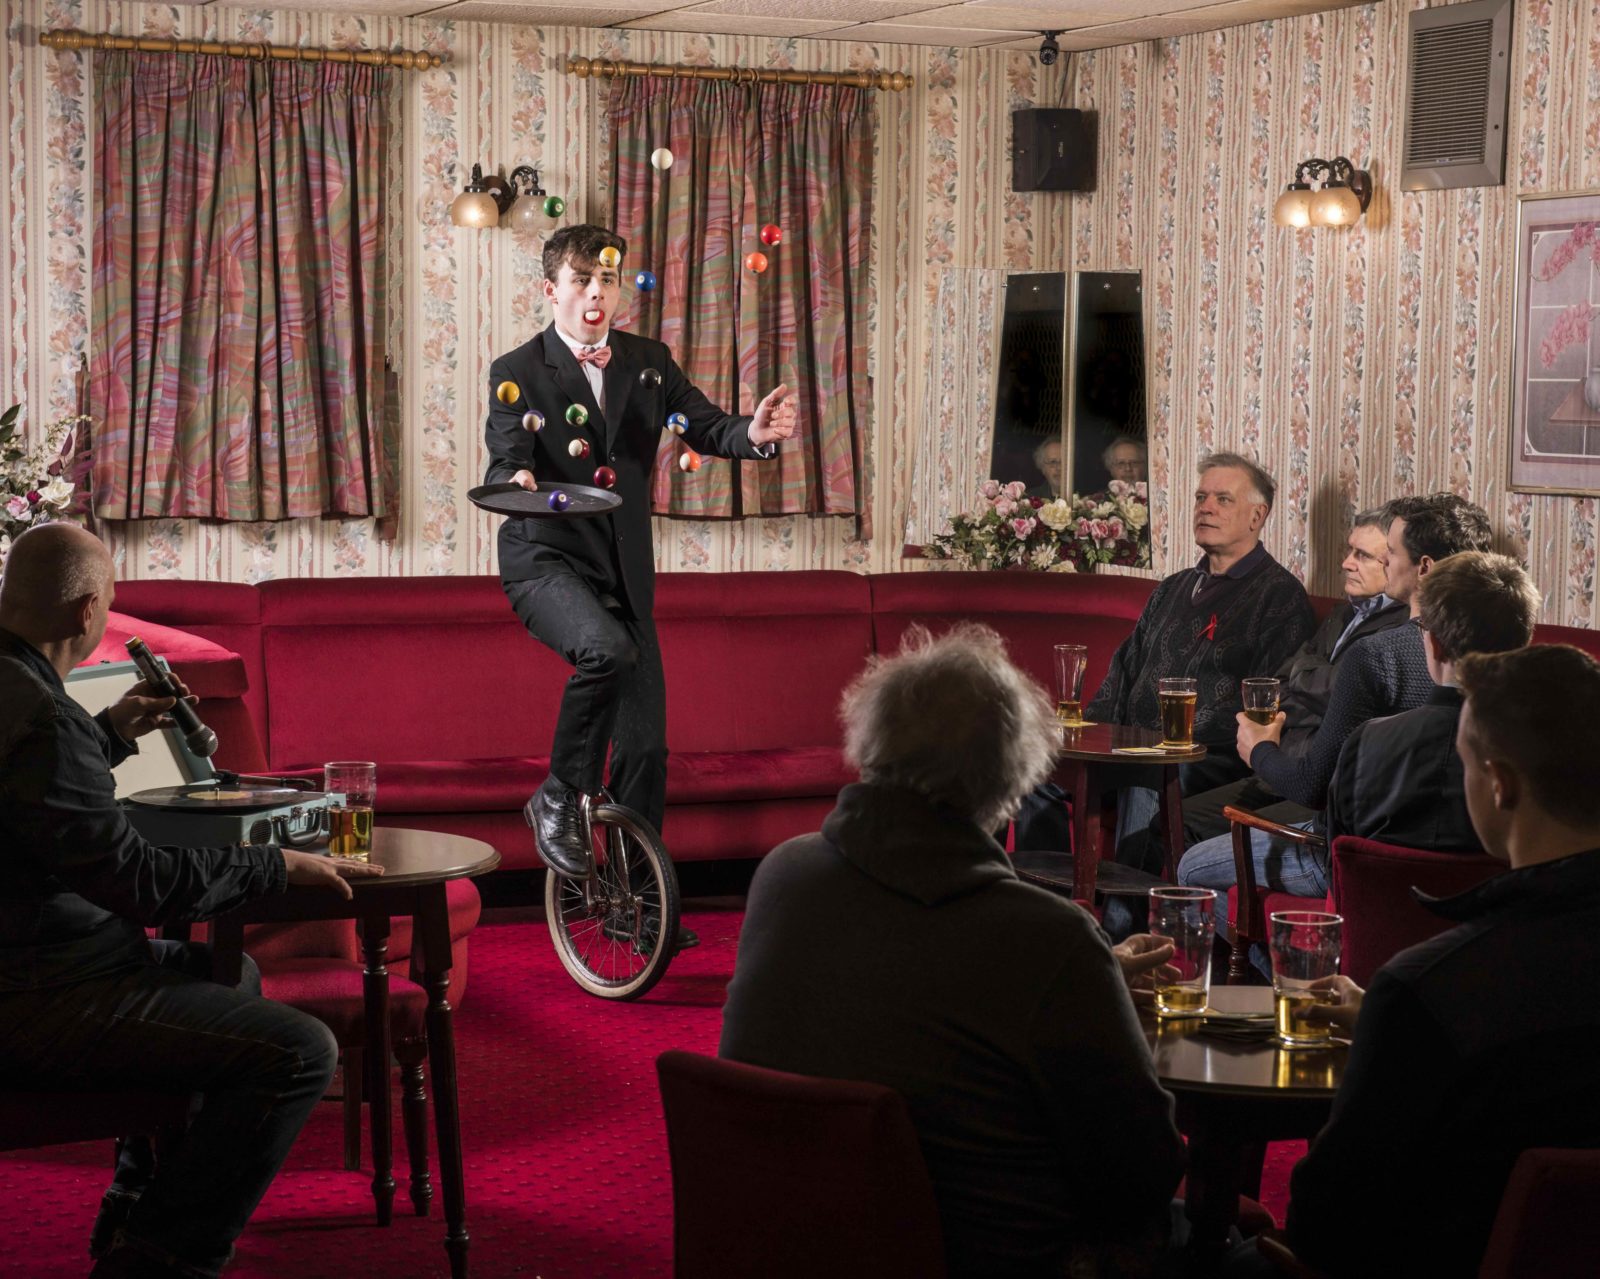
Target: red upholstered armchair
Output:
[(791, 1177), (1372, 885)]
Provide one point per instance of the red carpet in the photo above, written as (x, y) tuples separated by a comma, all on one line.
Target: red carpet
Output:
[(566, 1157)]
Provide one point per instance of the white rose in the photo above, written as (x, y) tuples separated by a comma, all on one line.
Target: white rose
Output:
[(57, 493), (1065, 566), (1056, 515), (1136, 515), (1104, 509)]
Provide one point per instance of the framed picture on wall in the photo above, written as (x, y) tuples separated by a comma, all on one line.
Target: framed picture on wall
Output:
[(1555, 386)]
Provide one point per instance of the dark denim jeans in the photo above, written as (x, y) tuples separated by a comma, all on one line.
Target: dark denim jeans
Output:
[(260, 1067)]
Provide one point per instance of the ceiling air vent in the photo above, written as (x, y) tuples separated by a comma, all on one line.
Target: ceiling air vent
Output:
[(1460, 61)]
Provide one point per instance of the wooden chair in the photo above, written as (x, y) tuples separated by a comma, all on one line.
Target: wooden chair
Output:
[(790, 1177), (1247, 921)]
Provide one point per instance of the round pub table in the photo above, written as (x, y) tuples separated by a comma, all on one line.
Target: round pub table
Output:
[(417, 864), (1234, 1096)]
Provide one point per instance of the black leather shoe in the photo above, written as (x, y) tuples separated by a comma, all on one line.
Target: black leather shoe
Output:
[(113, 1215), (553, 813)]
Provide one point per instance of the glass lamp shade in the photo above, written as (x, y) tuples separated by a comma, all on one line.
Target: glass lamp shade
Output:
[(527, 215), (474, 209), (1335, 205), (1293, 208)]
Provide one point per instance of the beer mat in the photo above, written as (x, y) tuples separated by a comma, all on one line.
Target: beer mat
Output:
[(1252, 1033), (1217, 1017), (1075, 723), (518, 502), (1140, 750)]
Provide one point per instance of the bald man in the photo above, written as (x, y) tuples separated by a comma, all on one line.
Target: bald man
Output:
[(86, 1000)]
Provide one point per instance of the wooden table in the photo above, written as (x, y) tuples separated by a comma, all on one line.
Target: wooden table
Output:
[(417, 865), (1234, 1097), (1090, 771)]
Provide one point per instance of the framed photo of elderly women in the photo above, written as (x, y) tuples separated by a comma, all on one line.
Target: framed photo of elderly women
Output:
[(1555, 386)]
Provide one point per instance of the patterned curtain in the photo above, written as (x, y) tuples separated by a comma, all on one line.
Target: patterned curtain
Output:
[(795, 156), (238, 315)]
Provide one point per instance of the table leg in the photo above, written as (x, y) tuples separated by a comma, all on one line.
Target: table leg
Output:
[(1172, 820), (1086, 825), (374, 930), (432, 927), (1211, 1193)]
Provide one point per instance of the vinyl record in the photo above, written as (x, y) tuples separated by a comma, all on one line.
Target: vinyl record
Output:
[(208, 798)]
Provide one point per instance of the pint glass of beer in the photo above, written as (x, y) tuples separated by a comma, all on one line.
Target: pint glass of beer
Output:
[(1260, 699), (1305, 948), (1177, 695), (1071, 661), (1187, 917), (352, 787)]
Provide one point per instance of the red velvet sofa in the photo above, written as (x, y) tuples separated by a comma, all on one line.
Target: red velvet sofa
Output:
[(435, 679)]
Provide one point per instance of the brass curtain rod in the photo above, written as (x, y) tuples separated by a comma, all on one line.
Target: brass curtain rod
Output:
[(895, 81), (259, 52)]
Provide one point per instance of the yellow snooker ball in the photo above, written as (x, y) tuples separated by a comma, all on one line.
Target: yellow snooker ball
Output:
[(507, 393)]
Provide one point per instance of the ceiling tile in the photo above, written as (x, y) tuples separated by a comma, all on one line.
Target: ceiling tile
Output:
[(939, 37), (533, 15), (841, 11), (975, 18), (724, 24)]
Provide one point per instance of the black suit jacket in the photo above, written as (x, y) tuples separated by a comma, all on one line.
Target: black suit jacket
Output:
[(1400, 780), (612, 553)]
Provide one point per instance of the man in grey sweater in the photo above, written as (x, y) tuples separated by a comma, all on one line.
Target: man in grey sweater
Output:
[(898, 946)]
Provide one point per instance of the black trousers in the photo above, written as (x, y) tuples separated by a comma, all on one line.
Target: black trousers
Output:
[(616, 698)]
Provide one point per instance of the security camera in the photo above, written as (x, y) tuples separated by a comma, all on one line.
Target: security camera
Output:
[(1049, 51)]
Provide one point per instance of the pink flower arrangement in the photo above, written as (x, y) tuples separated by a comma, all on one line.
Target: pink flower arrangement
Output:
[(34, 486), (1579, 238), (1007, 529), (1570, 328)]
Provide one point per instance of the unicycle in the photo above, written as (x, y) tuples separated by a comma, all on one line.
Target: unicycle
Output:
[(615, 928)]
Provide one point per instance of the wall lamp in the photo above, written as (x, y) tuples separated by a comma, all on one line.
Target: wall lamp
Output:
[(1346, 191), (485, 200)]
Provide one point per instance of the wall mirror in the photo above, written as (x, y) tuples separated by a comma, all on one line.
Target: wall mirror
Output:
[(1069, 414)]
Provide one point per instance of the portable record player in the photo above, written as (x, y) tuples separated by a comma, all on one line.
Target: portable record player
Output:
[(229, 809)]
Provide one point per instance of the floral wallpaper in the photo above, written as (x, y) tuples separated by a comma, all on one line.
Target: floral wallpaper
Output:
[(1358, 364), (501, 99)]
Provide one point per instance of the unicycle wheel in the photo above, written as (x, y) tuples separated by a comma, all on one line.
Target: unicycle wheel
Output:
[(615, 929)]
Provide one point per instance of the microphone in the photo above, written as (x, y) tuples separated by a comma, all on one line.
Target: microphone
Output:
[(200, 739)]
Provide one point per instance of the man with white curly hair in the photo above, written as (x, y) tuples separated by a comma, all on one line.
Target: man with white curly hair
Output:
[(897, 945)]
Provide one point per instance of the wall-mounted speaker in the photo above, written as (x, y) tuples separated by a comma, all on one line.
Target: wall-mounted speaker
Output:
[(1052, 149)]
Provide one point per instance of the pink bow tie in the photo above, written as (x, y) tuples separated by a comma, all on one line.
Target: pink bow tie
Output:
[(600, 356)]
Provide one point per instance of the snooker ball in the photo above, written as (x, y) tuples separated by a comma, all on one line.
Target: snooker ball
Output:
[(645, 282), (577, 415), (578, 448), (771, 234), (650, 378), (661, 158), (689, 460), (609, 256), (507, 393), (554, 206), (533, 420), (756, 262), (677, 423), (559, 500), (604, 477)]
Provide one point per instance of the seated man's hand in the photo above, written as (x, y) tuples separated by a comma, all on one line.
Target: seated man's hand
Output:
[(141, 711), (1338, 1002), (1251, 734), (525, 478), (313, 871), (1141, 958)]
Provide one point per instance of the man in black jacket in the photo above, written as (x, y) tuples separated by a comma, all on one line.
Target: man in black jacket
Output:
[(1480, 1043), (1399, 778), (581, 396), (1306, 679), (86, 1000), (897, 945)]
